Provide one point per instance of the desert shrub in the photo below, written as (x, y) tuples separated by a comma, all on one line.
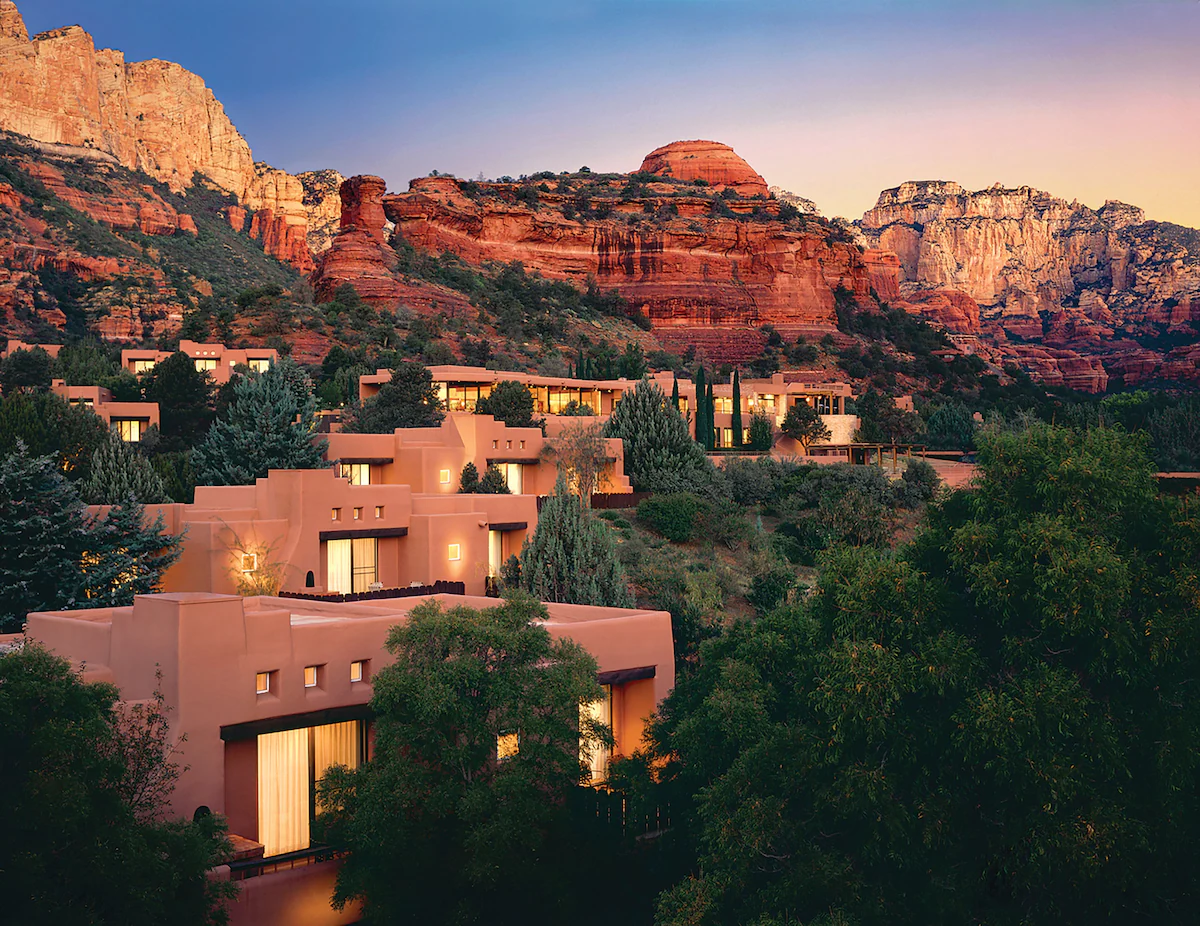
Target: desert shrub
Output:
[(673, 516)]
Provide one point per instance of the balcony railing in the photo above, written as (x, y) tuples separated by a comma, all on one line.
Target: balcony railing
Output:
[(257, 867)]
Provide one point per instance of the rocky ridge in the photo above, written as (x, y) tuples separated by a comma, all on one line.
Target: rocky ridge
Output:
[(153, 116)]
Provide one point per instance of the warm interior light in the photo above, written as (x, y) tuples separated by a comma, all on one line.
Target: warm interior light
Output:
[(508, 746), (356, 670), (455, 552), (444, 477), (310, 676), (262, 682)]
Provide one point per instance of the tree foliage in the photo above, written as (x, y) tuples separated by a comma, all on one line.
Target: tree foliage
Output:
[(47, 425), (660, 454), (996, 724), (120, 472), (803, 425), (882, 421), (185, 401), (491, 483), (270, 424), (572, 556), (510, 402), (86, 782), (407, 401), (438, 829), (580, 453), (26, 371)]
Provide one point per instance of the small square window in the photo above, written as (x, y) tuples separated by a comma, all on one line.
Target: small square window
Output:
[(262, 683), (455, 552), (495, 444), (358, 670), (249, 562), (310, 676), (508, 746), (522, 445), (335, 514), (357, 514), (379, 511), (508, 445), (444, 477)]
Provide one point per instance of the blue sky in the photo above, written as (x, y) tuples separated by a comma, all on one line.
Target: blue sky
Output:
[(835, 100)]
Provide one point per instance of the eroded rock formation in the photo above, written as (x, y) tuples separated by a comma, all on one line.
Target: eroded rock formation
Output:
[(716, 164), (323, 206), (358, 254), (154, 116)]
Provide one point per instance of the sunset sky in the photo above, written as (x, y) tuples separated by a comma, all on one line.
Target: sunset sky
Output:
[(832, 99)]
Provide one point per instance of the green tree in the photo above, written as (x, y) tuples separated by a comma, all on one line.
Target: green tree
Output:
[(737, 411), (701, 411), (438, 826), (270, 424), (632, 364), (997, 724), (762, 432), (468, 479), (185, 401), (45, 424), (803, 425), (26, 371), (118, 472), (510, 402), (881, 421), (87, 838), (408, 401), (572, 556), (660, 454), (53, 556), (951, 426)]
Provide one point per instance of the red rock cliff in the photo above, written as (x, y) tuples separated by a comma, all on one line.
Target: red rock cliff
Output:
[(358, 254), (716, 164)]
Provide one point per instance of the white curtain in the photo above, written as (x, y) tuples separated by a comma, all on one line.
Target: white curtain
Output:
[(283, 791), (335, 744), (513, 475), (597, 711), (495, 552), (364, 558), (337, 560)]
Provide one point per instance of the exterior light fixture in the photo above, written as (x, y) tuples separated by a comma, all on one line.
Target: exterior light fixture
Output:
[(249, 562), (444, 477), (455, 552)]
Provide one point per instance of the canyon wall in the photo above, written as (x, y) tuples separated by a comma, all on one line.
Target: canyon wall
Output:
[(154, 116)]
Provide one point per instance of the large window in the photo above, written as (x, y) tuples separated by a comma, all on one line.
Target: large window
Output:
[(206, 364), (824, 405), (259, 365), (352, 564), (359, 474), (130, 429), (142, 366), (495, 552), (290, 764), (512, 477), (597, 757)]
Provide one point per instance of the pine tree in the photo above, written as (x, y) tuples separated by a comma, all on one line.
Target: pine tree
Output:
[(468, 479), (572, 557), (493, 482), (120, 471), (660, 454), (737, 411), (184, 396), (126, 558), (408, 401), (269, 425)]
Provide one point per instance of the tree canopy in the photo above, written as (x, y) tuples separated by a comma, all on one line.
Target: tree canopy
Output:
[(407, 401), (185, 401), (510, 402), (87, 834), (463, 813), (660, 454), (119, 472), (26, 371), (271, 423), (997, 723), (803, 425)]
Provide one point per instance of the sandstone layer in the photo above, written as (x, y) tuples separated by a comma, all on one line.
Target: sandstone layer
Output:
[(714, 163), (154, 116), (358, 254)]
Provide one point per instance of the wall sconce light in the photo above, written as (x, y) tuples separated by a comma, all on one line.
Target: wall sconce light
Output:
[(249, 562), (444, 477), (455, 552)]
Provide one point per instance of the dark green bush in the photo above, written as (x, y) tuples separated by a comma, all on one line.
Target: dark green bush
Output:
[(673, 516)]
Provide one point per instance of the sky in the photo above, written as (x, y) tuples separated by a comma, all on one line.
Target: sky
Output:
[(835, 100)]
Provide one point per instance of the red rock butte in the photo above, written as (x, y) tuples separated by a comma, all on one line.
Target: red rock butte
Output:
[(715, 163)]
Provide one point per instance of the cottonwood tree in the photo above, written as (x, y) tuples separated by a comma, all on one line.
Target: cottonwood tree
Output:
[(118, 472), (660, 454), (572, 556), (86, 781), (408, 401), (463, 813), (270, 424), (996, 724), (803, 425), (580, 453)]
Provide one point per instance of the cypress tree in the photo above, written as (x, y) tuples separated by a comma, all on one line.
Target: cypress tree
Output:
[(675, 392), (737, 410), (119, 472), (710, 428), (701, 414), (572, 557)]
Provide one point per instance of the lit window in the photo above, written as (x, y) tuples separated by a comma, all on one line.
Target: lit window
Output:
[(260, 365), (522, 445), (335, 514), (249, 562), (508, 445), (357, 514), (262, 682), (310, 676), (444, 477), (359, 474), (455, 552), (495, 444), (130, 429), (508, 746), (142, 366), (205, 365), (379, 511), (595, 754), (358, 670)]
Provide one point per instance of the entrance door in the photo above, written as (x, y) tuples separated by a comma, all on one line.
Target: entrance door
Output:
[(352, 565), (495, 552)]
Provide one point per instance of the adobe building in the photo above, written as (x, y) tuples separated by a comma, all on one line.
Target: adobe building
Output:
[(217, 360), (270, 692), (460, 389), (316, 531), (131, 419), (15, 345), (431, 460)]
